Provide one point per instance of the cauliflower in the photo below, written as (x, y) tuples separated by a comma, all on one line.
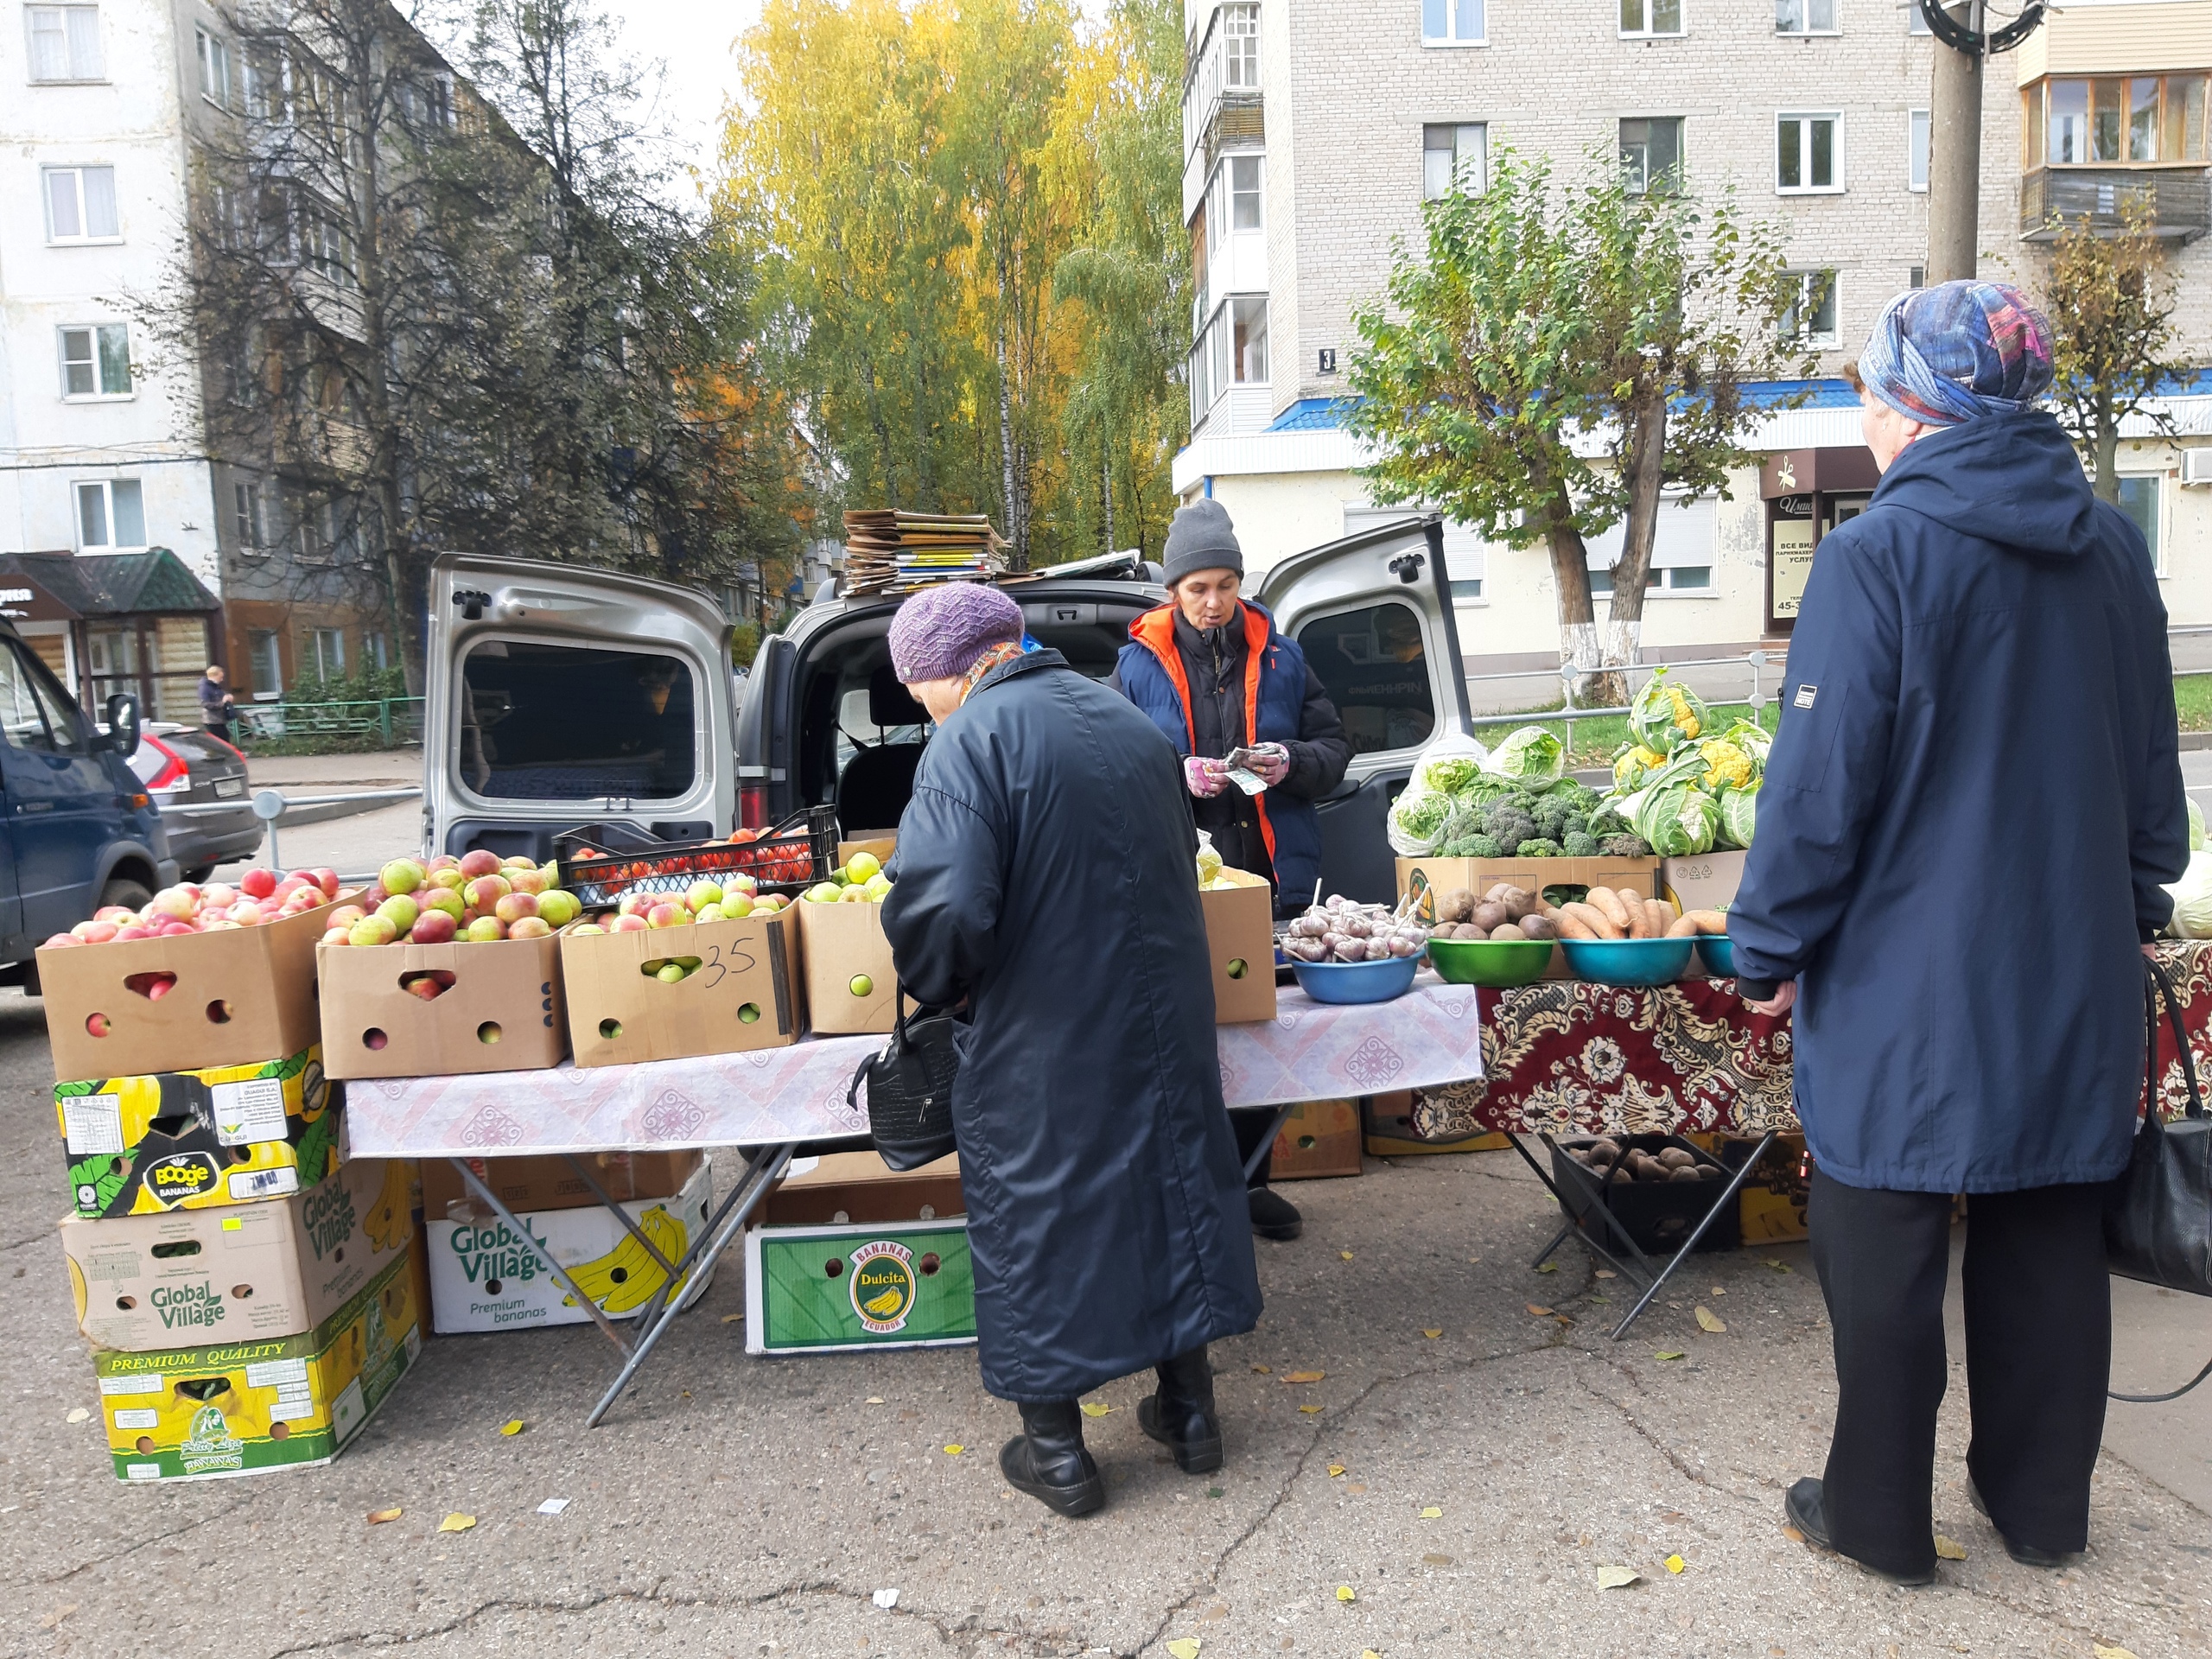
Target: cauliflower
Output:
[(1633, 762), (1685, 716), (1726, 766)]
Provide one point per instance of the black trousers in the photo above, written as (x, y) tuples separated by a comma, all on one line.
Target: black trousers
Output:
[(2039, 1323), (1250, 1125)]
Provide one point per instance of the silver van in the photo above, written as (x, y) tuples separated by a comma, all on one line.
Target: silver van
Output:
[(560, 696)]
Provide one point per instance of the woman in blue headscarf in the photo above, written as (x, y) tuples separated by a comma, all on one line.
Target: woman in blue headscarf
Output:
[(1973, 804)]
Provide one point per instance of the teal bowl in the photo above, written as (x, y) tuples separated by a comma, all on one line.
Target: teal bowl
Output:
[(1720, 953), (1628, 962), (1356, 981)]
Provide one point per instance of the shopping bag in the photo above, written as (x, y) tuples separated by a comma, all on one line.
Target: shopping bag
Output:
[(910, 1087)]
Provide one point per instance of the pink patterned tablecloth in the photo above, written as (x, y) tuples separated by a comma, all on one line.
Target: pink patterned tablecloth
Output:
[(1310, 1051)]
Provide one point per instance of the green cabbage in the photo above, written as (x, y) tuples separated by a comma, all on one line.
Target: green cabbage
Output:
[(1448, 774), (1740, 810), (1677, 820), (1421, 813), (2196, 826), (1531, 757), (1665, 715)]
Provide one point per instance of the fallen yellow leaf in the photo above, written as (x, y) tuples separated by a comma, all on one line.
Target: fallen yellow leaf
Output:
[(1303, 1376), (1432, 1513), (1548, 1267), (377, 1517), (733, 1318), (1345, 1593), (1264, 1370), (1779, 1266), (1096, 1408), (1346, 1254), (1433, 1335), (1950, 1549), (1675, 1564), (874, 1400), (76, 1414), (2104, 1652), (1709, 1320), (1309, 1410), (1668, 1353), (513, 1426), (1335, 1469), (1540, 1310), (1368, 1653), (954, 1450), (1793, 1535), (457, 1522), (1612, 1577), (1607, 1273), (1184, 1647)]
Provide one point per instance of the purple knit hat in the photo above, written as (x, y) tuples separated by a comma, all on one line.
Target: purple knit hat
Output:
[(941, 631)]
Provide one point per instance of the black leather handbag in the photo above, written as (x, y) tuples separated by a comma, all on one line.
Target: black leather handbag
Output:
[(910, 1087), (2158, 1220)]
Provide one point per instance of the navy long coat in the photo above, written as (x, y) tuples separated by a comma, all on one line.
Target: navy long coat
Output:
[(1971, 803), (1045, 872)]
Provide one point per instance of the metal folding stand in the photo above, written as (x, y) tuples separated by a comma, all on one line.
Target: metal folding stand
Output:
[(1634, 1265), (1260, 1152), (763, 1166)]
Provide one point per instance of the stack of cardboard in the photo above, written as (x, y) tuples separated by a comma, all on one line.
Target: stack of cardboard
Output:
[(888, 551)]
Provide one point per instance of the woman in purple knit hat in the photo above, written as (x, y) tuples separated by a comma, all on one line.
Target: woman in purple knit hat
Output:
[(1046, 875)]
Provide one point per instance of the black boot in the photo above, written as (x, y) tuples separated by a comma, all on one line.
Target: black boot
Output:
[(1273, 1216), (1048, 1461), (1804, 1506), (1181, 1416)]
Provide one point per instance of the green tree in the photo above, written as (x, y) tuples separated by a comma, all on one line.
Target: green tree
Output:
[(2111, 301), (1553, 360)]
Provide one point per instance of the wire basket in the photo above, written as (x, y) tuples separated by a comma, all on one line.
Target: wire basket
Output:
[(600, 862)]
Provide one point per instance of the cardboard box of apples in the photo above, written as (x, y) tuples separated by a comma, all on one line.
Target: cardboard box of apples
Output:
[(445, 967), (851, 985), (203, 974)]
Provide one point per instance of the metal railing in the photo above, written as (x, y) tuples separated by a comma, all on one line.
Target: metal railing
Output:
[(269, 806), (1754, 663), (391, 720)]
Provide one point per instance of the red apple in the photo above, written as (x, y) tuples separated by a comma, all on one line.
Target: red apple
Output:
[(527, 878), (485, 892), (530, 927), (91, 932), (635, 903), (487, 929), (134, 931), (670, 914), (60, 939), (629, 923), (245, 914), (442, 861), (432, 927), (514, 906), (173, 930), (325, 878), (116, 914), (97, 1025), (477, 861), (257, 884), (218, 895), (337, 936), (347, 915)]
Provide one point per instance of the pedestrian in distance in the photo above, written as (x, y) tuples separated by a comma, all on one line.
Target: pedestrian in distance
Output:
[(1974, 802), (217, 706), (1046, 875), (1210, 671)]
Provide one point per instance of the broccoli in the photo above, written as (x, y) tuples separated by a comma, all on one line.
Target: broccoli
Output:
[(1539, 848), (1624, 846), (1574, 823), (1551, 817), (1509, 825), (1485, 847), (1606, 821), (1579, 844)]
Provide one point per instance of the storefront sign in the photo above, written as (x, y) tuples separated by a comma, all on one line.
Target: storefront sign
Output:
[(1792, 565)]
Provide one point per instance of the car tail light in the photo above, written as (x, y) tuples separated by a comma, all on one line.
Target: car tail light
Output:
[(753, 806), (174, 774)]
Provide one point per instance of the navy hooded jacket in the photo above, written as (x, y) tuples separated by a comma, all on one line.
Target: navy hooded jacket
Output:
[(1971, 804)]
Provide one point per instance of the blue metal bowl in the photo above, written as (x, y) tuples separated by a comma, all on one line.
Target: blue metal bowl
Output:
[(1628, 962), (1356, 981), (1720, 953)]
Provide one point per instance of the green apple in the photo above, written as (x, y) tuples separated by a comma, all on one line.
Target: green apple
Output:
[(862, 985), (559, 908), (400, 910), (670, 973), (860, 866), (826, 892), (853, 896), (709, 913)]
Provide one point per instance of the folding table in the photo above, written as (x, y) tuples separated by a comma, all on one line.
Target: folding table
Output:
[(775, 1103)]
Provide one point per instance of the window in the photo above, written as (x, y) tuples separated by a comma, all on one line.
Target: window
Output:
[(545, 722), (1804, 17), (110, 516), (1650, 17), (96, 361), (264, 662), (375, 649), (1809, 319), (1916, 19), (80, 204), (1917, 277), (1682, 543), (65, 42), (245, 498), (1240, 47), (1915, 145), (1454, 159), (1375, 664), (323, 653), (214, 69), (2139, 500), (1808, 153), (1244, 193), (1451, 22), (33, 717), (1651, 153), (2153, 118), (1248, 341)]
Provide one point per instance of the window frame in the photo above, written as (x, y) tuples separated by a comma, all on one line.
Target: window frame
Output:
[(1919, 146), (1453, 10), (1681, 167), (247, 522), (1648, 32), (1226, 176), (2038, 131), (106, 488), (1452, 185), (97, 362), (1238, 15), (1805, 120), (2157, 477), (212, 53), (1809, 33), (273, 640), (311, 640), (97, 77), (76, 171), (1916, 21), (1805, 338)]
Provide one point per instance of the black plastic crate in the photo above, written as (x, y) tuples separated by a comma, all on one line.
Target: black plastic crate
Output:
[(790, 858), (1657, 1215)]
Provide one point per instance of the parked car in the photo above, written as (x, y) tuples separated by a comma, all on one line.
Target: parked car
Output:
[(78, 830), (188, 766), (560, 697)]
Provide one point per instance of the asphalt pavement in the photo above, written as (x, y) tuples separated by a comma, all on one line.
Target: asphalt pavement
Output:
[(1454, 1493)]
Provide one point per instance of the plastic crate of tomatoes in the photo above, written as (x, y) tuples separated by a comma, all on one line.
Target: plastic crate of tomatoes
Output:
[(601, 863)]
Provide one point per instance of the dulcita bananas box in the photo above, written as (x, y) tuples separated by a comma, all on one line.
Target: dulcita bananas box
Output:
[(484, 1276), (178, 1140), (239, 1408), (824, 1289)]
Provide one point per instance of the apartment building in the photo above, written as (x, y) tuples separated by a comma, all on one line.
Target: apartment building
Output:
[(1314, 129)]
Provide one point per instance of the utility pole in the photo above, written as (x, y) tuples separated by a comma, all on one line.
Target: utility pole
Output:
[(1964, 39)]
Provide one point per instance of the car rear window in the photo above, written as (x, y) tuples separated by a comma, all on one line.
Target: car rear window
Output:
[(1374, 663), (545, 722), (196, 749)]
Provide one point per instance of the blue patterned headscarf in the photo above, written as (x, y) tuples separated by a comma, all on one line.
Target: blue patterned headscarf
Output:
[(1958, 351)]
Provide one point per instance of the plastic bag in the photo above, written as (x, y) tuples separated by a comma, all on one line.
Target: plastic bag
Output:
[(1531, 757), (2193, 900), (1448, 767)]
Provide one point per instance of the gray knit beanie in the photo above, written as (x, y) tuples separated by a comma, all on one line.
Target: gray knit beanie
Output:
[(1200, 538)]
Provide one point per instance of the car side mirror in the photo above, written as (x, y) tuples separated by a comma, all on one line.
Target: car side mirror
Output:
[(123, 723)]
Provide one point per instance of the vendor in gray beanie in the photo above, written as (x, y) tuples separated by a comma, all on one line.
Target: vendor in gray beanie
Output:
[(1212, 672)]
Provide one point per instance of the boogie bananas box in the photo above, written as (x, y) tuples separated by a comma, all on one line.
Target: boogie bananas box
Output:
[(181, 1139)]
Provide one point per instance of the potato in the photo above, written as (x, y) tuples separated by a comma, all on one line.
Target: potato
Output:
[(1652, 1170), (1686, 1172), (1606, 1146), (1675, 1158), (1498, 891), (1539, 927), (1508, 931), (1455, 905), (1489, 915), (1519, 902)]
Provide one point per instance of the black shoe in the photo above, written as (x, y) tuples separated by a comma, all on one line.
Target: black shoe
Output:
[(1180, 1416), (1273, 1217), (2025, 1554), (1048, 1461), (1805, 1508)]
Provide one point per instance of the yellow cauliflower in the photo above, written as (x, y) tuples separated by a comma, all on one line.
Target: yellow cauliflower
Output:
[(1635, 762), (1726, 766), (1685, 715)]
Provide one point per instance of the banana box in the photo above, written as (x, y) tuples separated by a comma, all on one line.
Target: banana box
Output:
[(829, 1289), (486, 1277), (239, 1408), (185, 1140), (246, 1270)]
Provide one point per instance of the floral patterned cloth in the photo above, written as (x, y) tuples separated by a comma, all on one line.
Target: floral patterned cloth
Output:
[(1564, 1058)]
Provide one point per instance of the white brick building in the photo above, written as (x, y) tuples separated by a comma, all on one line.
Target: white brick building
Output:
[(1313, 129)]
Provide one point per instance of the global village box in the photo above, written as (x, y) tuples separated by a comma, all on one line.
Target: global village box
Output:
[(238, 1272), (181, 1139), (239, 1408), (486, 1277), (829, 1289), (743, 989), (496, 1007)]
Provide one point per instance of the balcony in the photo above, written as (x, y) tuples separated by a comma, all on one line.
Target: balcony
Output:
[(2177, 202)]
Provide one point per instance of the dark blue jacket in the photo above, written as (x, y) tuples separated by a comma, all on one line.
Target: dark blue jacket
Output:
[(1045, 872), (1971, 803), (1151, 674)]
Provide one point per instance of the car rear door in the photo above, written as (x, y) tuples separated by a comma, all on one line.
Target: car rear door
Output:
[(63, 807), (560, 697), (1373, 615)]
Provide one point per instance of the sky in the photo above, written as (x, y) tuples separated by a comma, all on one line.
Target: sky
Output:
[(692, 39)]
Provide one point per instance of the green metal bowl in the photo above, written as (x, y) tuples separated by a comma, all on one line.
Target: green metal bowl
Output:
[(1496, 962)]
